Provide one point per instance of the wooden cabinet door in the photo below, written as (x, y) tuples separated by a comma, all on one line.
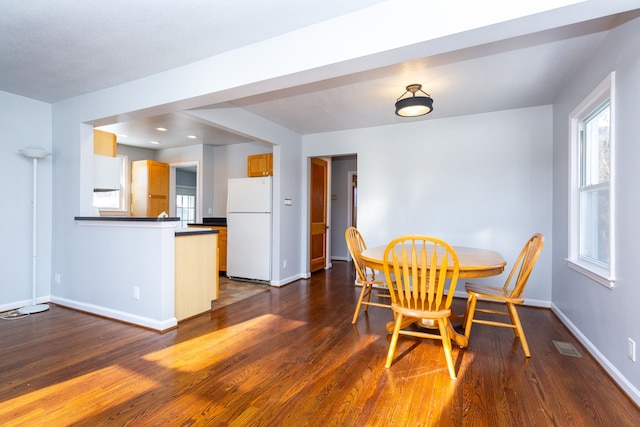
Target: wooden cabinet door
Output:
[(104, 143), (222, 244), (158, 188), (260, 165), (149, 188)]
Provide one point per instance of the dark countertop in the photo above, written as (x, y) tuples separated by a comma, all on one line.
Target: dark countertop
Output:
[(212, 221), (125, 218), (192, 231)]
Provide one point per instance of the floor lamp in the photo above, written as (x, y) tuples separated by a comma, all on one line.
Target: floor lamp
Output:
[(34, 153)]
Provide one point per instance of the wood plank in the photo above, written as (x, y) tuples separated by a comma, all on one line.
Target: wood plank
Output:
[(291, 357)]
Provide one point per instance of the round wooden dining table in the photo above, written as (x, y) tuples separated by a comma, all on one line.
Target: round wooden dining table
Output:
[(473, 262)]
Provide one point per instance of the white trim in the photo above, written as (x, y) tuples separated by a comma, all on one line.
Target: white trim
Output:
[(158, 325), (172, 187), (598, 275), (616, 375), (606, 89)]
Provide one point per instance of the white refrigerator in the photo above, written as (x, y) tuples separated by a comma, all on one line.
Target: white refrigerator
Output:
[(249, 229)]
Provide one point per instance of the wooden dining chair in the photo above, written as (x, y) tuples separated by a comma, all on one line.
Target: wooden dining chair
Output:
[(510, 293), (421, 267), (366, 277)]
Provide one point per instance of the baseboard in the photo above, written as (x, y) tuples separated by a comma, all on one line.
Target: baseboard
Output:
[(621, 380), (287, 280), (157, 325)]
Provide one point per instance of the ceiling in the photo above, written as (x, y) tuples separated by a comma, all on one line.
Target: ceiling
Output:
[(55, 50)]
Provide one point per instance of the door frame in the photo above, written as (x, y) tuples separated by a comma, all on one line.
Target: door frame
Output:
[(172, 188), (352, 202), (327, 201)]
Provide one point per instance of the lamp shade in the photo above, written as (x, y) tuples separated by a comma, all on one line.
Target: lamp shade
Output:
[(413, 106), (34, 152)]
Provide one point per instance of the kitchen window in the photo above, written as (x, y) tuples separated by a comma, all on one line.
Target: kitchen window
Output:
[(591, 241), (185, 205), (114, 202)]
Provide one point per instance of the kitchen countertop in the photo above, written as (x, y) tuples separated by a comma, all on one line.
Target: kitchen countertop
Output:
[(190, 231), (212, 221), (126, 218)]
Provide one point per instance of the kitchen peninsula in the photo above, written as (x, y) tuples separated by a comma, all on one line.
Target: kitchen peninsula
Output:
[(219, 224), (142, 270)]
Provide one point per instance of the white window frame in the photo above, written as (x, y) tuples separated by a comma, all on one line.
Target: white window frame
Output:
[(190, 192), (602, 274), (123, 210)]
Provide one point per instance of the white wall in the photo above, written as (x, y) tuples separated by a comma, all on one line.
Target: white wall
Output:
[(481, 181), (23, 123), (230, 161), (604, 318)]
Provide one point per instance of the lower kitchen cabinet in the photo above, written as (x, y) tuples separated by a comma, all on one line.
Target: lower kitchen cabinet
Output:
[(196, 273)]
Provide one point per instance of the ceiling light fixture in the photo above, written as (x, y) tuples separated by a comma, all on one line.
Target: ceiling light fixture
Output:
[(413, 106), (192, 137), (155, 142), (162, 129)]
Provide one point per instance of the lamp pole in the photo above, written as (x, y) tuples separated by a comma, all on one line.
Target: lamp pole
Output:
[(34, 153)]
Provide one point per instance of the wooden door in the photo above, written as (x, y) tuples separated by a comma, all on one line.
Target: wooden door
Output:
[(318, 215), (158, 188)]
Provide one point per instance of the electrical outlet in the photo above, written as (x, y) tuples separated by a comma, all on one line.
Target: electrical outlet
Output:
[(136, 292), (58, 278), (631, 349)]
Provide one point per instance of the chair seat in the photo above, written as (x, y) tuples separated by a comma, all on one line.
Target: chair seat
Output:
[(370, 279), (492, 292), (422, 314)]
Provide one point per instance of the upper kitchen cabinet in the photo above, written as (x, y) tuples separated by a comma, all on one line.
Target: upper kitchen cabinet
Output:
[(260, 165), (104, 143), (149, 188)]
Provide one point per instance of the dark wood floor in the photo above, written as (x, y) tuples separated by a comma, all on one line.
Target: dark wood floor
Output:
[(291, 357)]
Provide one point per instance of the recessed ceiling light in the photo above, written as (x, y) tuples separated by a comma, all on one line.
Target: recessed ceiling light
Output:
[(192, 137), (121, 135), (162, 129), (155, 142)]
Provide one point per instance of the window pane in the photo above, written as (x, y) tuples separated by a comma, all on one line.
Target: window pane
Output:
[(596, 148), (594, 225), (106, 199)]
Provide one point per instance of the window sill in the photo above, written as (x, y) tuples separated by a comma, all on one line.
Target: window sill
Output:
[(113, 212), (598, 275)]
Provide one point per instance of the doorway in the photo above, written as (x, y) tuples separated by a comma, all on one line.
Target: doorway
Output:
[(185, 193), (341, 199), (318, 223)]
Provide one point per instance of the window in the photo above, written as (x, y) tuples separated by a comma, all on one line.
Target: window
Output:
[(114, 202), (591, 248), (185, 205)]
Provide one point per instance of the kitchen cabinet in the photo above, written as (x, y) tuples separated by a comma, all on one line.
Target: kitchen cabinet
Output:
[(222, 243), (196, 273), (104, 143), (149, 188), (260, 165)]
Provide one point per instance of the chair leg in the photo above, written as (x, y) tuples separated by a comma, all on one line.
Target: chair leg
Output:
[(471, 309), (394, 340), (519, 331), (446, 345), (359, 304), (368, 296)]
